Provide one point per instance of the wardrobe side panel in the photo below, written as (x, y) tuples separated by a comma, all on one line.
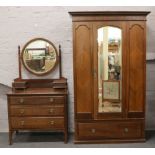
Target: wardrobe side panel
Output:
[(137, 65), (83, 69)]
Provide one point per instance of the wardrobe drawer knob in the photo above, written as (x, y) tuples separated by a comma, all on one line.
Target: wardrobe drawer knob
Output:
[(126, 130), (93, 130)]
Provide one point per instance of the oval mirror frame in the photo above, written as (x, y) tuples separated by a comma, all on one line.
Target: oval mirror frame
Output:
[(31, 70)]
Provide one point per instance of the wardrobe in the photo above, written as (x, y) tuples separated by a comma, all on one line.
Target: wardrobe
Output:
[(109, 58)]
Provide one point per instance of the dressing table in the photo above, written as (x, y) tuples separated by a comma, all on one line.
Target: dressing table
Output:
[(38, 104)]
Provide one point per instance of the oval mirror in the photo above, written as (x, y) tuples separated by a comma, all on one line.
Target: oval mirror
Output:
[(39, 56)]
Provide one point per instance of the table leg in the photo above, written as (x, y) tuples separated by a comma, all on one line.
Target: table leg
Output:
[(10, 137)]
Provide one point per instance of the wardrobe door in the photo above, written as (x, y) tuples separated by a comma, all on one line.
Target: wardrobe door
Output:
[(136, 74), (109, 69), (83, 70)]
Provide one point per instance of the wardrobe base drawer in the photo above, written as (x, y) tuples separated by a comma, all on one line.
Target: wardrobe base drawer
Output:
[(110, 130), (37, 122)]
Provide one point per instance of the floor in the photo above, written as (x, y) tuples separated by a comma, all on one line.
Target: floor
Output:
[(51, 140)]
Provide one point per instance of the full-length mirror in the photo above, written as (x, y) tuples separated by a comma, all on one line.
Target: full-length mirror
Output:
[(39, 56), (109, 69)]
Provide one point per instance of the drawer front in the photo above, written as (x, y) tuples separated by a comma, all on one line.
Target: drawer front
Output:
[(37, 123), (36, 100), (34, 110), (110, 130)]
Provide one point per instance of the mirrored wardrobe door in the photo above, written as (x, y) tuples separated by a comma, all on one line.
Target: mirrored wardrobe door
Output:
[(109, 69)]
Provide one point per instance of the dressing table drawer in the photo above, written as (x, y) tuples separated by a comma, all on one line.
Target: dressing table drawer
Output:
[(37, 100), (33, 110), (37, 122)]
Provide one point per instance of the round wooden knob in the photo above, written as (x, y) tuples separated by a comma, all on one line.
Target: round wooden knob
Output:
[(126, 129), (51, 110), (22, 123), (21, 100), (51, 99), (93, 130), (52, 122), (22, 111)]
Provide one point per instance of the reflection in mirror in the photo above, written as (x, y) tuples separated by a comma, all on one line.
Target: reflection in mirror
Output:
[(39, 56), (109, 69)]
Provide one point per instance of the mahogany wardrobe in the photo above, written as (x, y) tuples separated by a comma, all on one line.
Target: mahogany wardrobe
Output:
[(109, 55)]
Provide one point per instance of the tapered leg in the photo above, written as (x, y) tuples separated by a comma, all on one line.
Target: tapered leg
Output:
[(65, 137), (10, 137)]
